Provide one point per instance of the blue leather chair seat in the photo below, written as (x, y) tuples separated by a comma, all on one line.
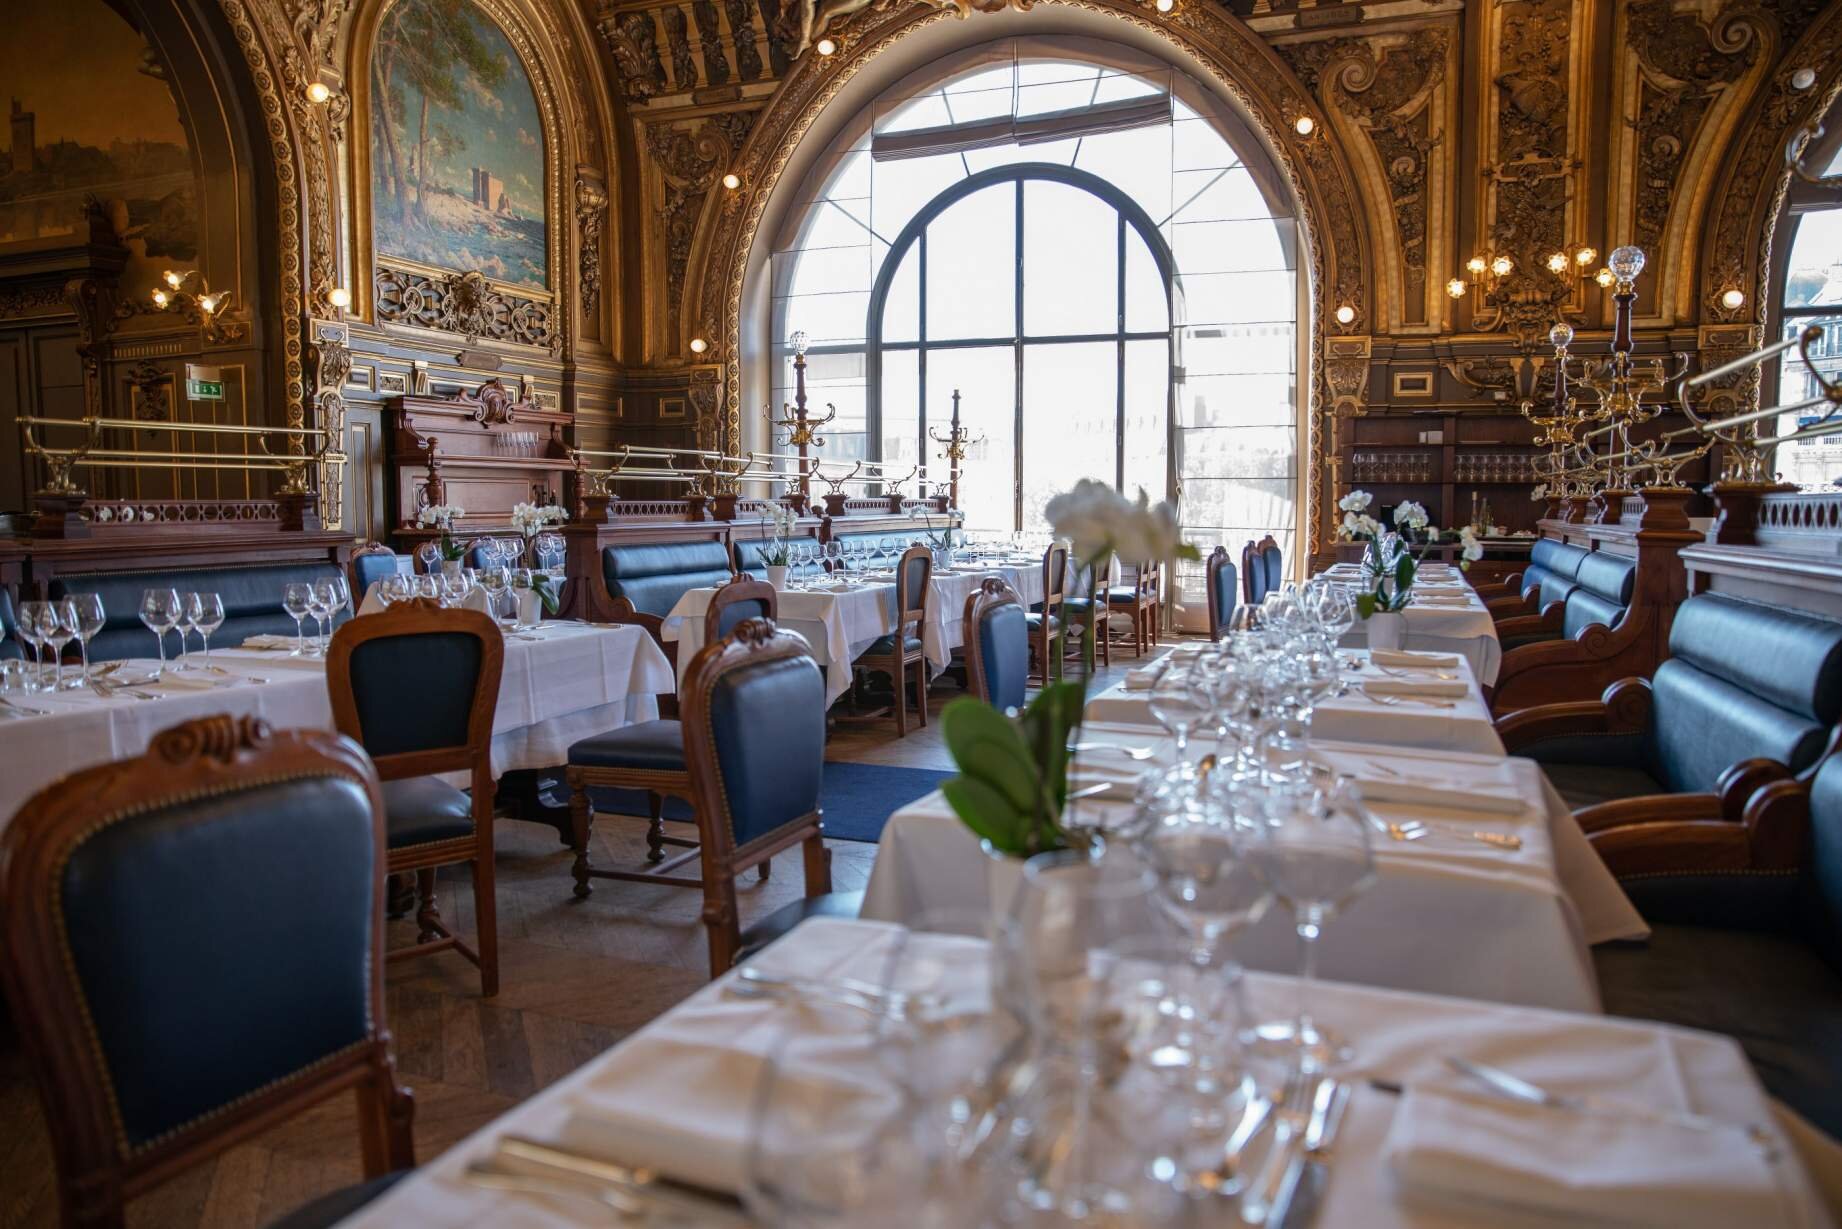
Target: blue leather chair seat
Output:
[(9, 627), (655, 575), (657, 746), (329, 1210), (418, 810), (883, 646), (1771, 992), (1122, 595), (1035, 620)]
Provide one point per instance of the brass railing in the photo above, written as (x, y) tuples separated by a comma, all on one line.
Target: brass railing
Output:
[(60, 461)]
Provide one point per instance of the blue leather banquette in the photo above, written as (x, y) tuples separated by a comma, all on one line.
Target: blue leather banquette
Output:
[(1604, 583), (654, 575), (251, 596), (1553, 570), (748, 559)]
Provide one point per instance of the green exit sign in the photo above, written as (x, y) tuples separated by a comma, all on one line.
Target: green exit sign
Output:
[(203, 383)]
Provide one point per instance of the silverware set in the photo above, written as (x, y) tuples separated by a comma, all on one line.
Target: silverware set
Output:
[(1305, 1118), (1414, 830), (528, 1165)]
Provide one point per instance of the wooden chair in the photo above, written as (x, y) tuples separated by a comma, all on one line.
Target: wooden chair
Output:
[(1273, 560), (371, 563), (1046, 618), (417, 686), (902, 650), (1219, 586), (1253, 574), (754, 723), (1142, 602), (194, 956), (744, 597), (997, 645)]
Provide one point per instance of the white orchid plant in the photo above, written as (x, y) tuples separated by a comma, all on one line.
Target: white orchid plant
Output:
[(1013, 767), (441, 517), (1390, 566), (531, 519), (778, 552)]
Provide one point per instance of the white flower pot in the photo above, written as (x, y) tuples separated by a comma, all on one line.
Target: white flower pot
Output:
[(451, 567), (777, 576), (1387, 629), (1003, 874)]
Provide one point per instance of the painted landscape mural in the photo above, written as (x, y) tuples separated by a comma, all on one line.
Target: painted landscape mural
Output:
[(89, 114), (457, 149)]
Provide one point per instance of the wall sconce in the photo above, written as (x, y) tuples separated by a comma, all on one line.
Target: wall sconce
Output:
[(1733, 298), (191, 296), (1164, 6), (732, 181), (1604, 278), (1457, 287), (826, 46), (1346, 315), (318, 92), (1304, 125), (340, 298), (1803, 79), (699, 345)]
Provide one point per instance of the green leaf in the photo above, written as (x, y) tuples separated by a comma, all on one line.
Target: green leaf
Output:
[(546, 593), (1365, 604), (1403, 573), (985, 811), (988, 747)]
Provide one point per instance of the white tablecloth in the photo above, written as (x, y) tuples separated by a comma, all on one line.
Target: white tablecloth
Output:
[(1354, 717), (1446, 915), (1467, 630), (1398, 1037), (841, 625), (569, 682)]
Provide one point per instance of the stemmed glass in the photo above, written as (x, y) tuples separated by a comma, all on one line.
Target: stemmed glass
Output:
[(342, 596), (1312, 849), (320, 600), (182, 623), (56, 634), (205, 614), (86, 616), (30, 614), (297, 603), (834, 557), (430, 555), (1179, 703), (428, 587), (160, 612)]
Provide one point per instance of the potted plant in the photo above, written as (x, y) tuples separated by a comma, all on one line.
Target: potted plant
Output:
[(776, 554), (441, 517), (1390, 566), (1012, 787), (532, 519), (939, 541)]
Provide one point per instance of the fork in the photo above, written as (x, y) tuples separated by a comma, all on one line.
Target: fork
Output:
[(1413, 830), (25, 710), (1418, 672), (1397, 701)]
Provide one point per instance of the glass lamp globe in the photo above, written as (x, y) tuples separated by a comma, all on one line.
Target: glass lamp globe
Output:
[(1626, 263), (1561, 335), (798, 341)]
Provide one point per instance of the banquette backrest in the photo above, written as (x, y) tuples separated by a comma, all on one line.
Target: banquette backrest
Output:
[(1743, 681), (9, 626), (1819, 902), (1602, 592), (251, 596), (1553, 569), (652, 576), (748, 557)]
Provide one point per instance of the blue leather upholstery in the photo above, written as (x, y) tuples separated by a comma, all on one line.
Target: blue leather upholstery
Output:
[(1256, 577), (654, 576), (415, 693), (1605, 583), (1552, 568), (251, 595), (9, 627), (1122, 595), (1819, 899), (1274, 561), (223, 944), (916, 573), (767, 725), (367, 570), (736, 612), (1004, 655), (1226, 595), (418, 810), (884, 645), (1035, 618), (748, 559), (657, 746)]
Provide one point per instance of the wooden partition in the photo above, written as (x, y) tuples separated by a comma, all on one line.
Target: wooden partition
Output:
[(1773, 544)]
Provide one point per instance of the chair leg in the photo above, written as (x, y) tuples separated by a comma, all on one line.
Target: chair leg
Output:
[(428, 917), (655, 831), (900, 671), (486, 922), (765, 870), (817, 865), (921, 691), (720, 925), (386, 1117), (580, 815)]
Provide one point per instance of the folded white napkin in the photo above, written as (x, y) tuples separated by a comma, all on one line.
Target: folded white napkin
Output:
[(266, 641), (1145, 677), (1411, 781), (1441, 689), (1587, 1166), (1441, 599), (1401, 659)]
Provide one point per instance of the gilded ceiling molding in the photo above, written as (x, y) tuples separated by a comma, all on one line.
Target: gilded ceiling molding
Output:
[(1222, 49), (591, 211), (690, 156), (706, 44), (1389, 95)]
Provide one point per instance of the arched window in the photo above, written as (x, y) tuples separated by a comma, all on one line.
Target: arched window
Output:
[(1811, 294), (1093, 251)]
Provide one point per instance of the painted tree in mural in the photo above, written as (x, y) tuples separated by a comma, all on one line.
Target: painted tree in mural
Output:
[(427, 46)]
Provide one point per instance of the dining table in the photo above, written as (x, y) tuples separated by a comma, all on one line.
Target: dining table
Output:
[(1444, 615), (841, 614), (1650, 1125), (561, 681)]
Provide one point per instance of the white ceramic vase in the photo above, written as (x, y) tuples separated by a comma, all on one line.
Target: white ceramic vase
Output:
[(451, 567), (1387, 629), (777, 576)]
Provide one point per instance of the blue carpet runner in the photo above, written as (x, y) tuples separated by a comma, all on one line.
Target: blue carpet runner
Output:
[(857, 798)]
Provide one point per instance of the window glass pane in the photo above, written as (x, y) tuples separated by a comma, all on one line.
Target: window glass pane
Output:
[(1210, 196), (1245, 246), (972, 266), (899, 190), (902, 305), (1237, 298), (1814, 276), (1196, 145), (901, 384), (1146, 308), (1070, 261), (1070, 420), (1815, 462), (1147, 418), (828, 317), (986, 378), (1056, 153)]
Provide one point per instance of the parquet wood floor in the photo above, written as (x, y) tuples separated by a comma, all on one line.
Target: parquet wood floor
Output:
[(576, 977)]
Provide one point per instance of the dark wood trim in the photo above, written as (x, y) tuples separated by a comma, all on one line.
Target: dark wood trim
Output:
[(97, 1170), (1055, 592), (741, 588), (420, 617), (1623, 709)]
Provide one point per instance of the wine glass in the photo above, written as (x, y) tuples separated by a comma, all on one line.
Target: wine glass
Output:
[(834, 557), (1311, 847), (430, 556), (342, 596), (56, 634), (87, 615), (428, 587), (297, 603), (159, 612), (205, 612), (1179, 704), (29, 635), (182, 623), (320, 599)]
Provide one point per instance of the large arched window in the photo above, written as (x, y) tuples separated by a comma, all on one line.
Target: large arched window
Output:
[(1811, 294), (1093, 251)]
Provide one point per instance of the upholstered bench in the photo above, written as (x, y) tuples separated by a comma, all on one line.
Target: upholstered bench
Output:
[(647, 580), (251, 596), (1743, 681), (748, 558), (1550, 578)]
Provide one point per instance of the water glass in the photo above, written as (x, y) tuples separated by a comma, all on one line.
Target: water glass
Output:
[(205, 613), (297, 603), (55, 634), (320, 600), (160, 613), (1179, 704), (87, 614), (182, 624)]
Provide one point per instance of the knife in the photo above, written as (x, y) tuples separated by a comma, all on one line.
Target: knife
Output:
[(1519, 1089), (1303, 1188)]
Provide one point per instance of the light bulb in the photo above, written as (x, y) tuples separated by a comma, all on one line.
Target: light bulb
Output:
[(208, 304), (1304, 125), (1557, 262), (1604, 277), (339, 296), (798, 341), (160, 298), (825, 46), (172, 279), (1561, 335), (1733, 300), (1476, 264), (1456, 288), (1346, 314), (1164, 6), (1626, 263), (1803, 79), (732, 181), (1585, 256), (318, 92), (1502, 265), (699, 345)]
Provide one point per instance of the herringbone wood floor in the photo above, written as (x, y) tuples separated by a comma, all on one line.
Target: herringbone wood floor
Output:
[(575, 979)]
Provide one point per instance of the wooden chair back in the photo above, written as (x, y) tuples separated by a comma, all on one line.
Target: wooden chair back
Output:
[(1219, 588), (743, 597), (914, 588), (997, 644), (1055, 578), (1253, 574), (150, 1059)]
